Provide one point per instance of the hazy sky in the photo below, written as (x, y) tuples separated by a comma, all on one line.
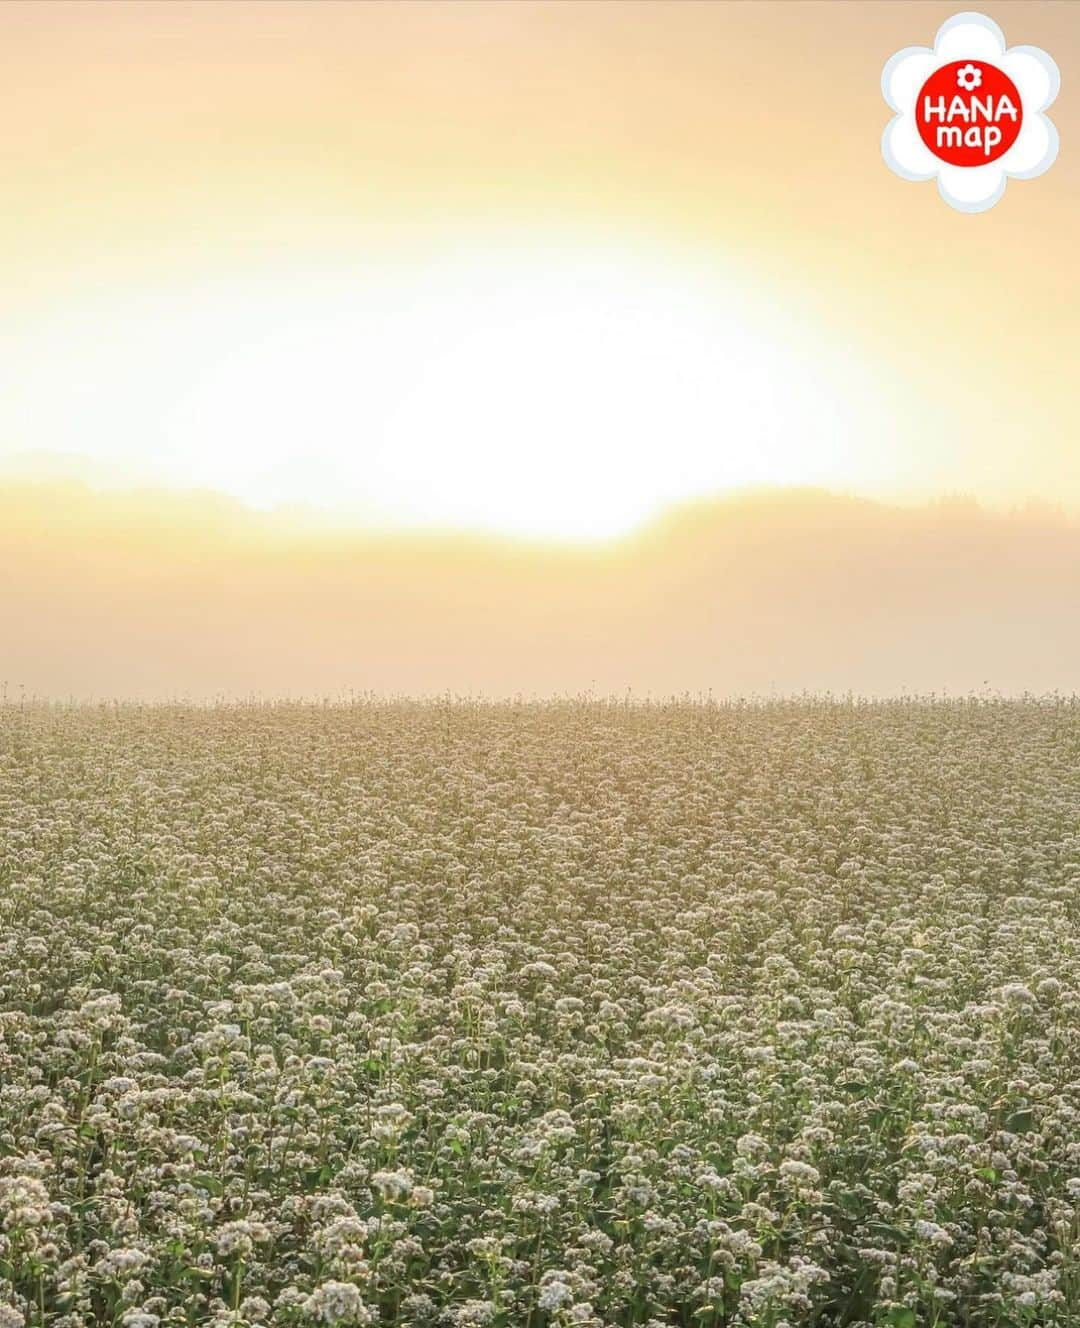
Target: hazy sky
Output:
[(532, 268)]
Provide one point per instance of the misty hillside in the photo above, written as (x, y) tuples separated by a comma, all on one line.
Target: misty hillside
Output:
[(154, 595)]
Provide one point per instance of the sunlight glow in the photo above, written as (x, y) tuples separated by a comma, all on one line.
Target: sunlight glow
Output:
[(558, 391)]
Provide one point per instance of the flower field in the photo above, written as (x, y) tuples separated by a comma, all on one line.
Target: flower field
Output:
[(540, 1014)]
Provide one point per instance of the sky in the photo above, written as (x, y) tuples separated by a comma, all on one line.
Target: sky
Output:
[(537, 269), (514, 347)]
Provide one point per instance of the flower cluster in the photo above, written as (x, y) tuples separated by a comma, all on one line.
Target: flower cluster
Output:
[(540, 1014)]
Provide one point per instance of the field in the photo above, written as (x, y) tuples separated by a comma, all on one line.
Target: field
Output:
[(578, 1013)]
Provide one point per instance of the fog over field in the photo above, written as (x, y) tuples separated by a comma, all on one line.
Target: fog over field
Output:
[(151, 594)]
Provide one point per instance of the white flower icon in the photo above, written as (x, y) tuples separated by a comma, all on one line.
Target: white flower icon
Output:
[(969, 37), (969, 78)]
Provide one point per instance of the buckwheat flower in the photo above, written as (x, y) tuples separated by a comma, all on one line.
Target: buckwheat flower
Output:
[(393, 1186), (337, 1302), (801, 1173), (742, 1245), (556, 1127), (540, 969), (238, 1239), (710, 1180), (101, 1011), (555, 1291), (118, 1085), (11, 1318), (932, 1233), (418, 1308), (474, 1312), (757, 1292), (120, 1263), (139, 1318), (132, 1292), (290, 1298), (391, 1120), (24, 1202)]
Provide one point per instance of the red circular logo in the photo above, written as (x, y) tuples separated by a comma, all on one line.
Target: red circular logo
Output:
[(969, 113)]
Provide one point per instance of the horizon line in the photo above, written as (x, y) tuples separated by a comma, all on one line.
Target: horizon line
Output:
[(314, 520)]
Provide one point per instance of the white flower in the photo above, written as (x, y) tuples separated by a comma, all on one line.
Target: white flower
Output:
[(554, 1292), (393, 1186), (337, 1302), (800, 1172), (474, 1311), (903, 982), (932, 1233), (138, 1318), (120, 1263), (24, 1202), (969, 77), (970, 36)]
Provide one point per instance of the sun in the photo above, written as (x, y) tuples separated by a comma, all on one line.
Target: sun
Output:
[(561, 391)]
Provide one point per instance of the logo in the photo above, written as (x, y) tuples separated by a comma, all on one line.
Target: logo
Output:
[(970, 113)]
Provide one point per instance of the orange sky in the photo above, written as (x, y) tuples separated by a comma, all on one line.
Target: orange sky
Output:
[(178, 172), (527, 270)]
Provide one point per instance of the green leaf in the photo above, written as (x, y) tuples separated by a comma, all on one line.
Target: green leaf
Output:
[(210, 1184), (900, 1316), (889, 1231), (1020, 1121)]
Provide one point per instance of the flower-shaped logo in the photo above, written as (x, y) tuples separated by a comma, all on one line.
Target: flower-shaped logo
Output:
[(968, 77), (970, 112)]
